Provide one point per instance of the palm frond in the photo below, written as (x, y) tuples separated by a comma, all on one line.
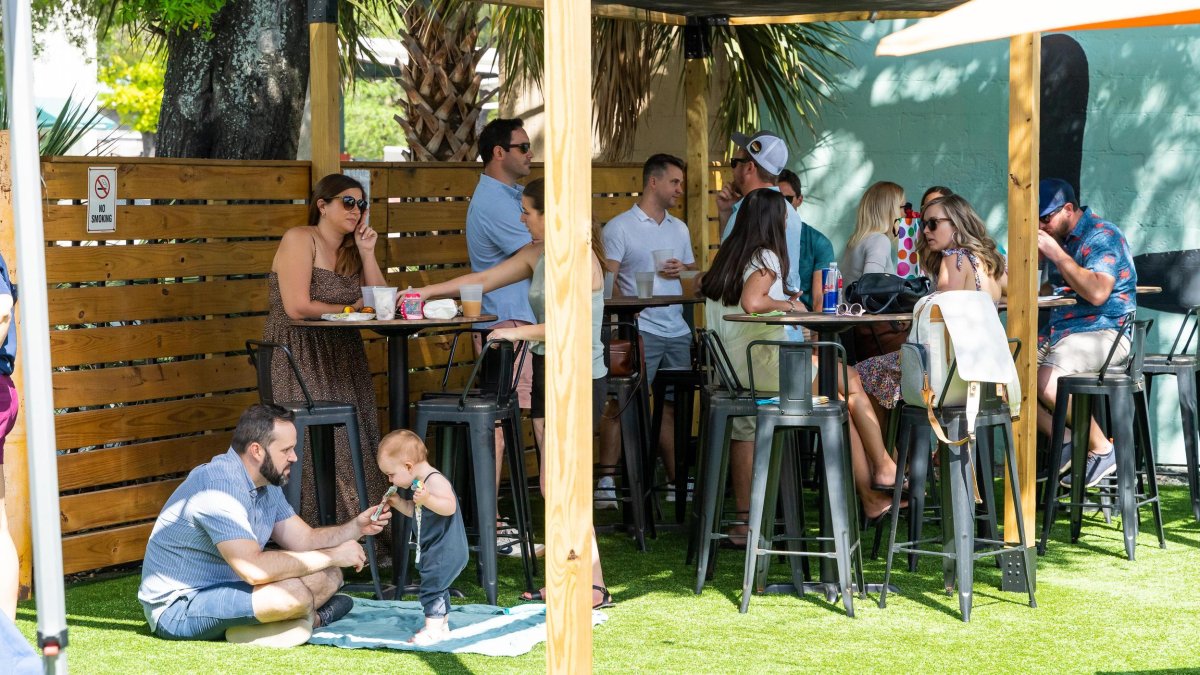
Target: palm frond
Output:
[(71, 124), (627, 57), (780, 69), (518, 34), (357, 20)]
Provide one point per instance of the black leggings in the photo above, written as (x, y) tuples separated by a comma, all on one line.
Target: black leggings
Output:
[(537, 408)]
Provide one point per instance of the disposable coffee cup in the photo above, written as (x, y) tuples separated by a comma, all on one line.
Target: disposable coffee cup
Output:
[(609, 279), (661, 256), (385, 302), (368, 295), (687, 279), (645, 284), (471, 296)]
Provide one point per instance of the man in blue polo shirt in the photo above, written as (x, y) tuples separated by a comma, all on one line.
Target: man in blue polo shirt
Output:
[(1088, 256), (206, 574), (816, 252)]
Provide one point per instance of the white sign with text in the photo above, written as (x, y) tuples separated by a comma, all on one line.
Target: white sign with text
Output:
[(102, 199)]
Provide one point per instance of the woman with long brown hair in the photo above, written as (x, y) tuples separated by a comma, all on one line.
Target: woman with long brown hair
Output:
[(321, 268)]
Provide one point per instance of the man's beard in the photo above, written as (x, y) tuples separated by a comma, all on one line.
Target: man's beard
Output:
[(272, 474)]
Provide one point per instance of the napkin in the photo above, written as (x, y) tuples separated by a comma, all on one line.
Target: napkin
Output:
[(440, 309)]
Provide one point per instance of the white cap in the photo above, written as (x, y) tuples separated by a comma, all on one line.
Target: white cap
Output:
[(766, 149)]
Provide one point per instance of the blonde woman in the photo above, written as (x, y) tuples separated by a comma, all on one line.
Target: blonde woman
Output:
[(870, 248), (954, 242)]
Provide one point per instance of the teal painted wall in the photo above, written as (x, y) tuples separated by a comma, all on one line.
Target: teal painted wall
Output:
[(942, 118)]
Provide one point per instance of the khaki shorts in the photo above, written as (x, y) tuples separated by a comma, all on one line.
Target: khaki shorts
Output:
[(1084, 352)]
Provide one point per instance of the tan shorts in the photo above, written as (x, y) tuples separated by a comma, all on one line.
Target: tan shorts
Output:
[(524, 377), (1084, 352)]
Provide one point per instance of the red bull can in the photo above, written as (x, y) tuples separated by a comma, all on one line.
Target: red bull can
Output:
[(831, 289)]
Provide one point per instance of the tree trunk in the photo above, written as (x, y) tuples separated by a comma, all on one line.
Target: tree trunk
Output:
[(240, 93)]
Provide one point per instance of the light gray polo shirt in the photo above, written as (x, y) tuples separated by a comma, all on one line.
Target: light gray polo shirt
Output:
[(217, 502), (631, 238)]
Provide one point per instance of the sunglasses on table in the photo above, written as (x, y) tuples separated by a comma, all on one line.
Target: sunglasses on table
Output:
[(850, 309), (523, 147), (350, 202)]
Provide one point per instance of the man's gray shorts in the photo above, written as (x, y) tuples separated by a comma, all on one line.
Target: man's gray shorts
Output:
[(666, 352)]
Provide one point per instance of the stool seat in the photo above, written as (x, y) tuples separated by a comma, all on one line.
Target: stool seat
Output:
[(318, 408), (1163, 362)]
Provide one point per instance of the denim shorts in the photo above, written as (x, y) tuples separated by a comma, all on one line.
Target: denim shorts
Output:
[(666, 352), (208, 613)]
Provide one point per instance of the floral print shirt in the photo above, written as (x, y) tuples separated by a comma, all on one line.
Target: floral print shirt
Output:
[(1097, 245)]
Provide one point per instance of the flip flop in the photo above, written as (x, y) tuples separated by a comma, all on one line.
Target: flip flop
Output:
[(880, 487), (532, 596)]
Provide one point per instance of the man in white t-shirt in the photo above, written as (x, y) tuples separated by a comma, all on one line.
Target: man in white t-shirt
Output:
[(630, 242)]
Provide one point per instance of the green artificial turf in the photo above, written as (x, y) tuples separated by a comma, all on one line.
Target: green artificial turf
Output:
[(1097, 612)]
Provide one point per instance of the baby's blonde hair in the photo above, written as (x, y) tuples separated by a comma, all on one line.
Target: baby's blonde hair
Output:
[(405, 446)]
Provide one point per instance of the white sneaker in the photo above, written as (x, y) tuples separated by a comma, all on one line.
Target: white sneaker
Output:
[(671, 491), (510, 547), (605, 494)]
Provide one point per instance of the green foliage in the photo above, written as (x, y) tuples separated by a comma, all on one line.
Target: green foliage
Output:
[(168, 15), (136, 90), (70, 125), (369, 108)]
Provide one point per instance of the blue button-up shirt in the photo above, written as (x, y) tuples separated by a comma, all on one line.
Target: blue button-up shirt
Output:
[(494, 233), (217, 502), (1097, 245), (794, 228)]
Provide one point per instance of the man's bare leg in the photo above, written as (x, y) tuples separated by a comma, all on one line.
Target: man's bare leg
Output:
[(287, 610)]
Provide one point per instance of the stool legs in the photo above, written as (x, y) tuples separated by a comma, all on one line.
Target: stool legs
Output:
[(633, 446), (1187, 411), (766, 452), (360, 482), (1142, 427), (713, 472)]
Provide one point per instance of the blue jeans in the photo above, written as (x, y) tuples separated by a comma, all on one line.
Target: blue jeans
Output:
[(208, 613)]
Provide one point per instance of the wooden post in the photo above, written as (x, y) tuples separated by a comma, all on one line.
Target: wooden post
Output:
[(324, 88), (695, 92), (1024, 112), (568, 337), (16, 463)]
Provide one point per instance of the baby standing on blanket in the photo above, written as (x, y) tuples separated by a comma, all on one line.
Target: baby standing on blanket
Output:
[(441, 538)]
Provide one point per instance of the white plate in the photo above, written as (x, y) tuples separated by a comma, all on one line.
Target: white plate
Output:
[(353, 316)]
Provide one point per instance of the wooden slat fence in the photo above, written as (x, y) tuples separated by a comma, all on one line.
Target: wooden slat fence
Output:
[(148, 324)]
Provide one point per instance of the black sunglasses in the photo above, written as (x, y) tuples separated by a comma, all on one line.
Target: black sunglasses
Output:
[(350, 202), (931, 224), (733, 163), (523, 147), (1045, 220)]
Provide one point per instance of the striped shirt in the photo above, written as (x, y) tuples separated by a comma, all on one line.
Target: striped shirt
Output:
[(217, 502)]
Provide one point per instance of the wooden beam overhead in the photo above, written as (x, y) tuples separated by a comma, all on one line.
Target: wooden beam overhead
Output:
[(827, 17), (607, 12)]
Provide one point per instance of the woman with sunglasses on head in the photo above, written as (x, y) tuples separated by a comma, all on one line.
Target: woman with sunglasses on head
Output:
[(954, 244), (747, 276), (528, 263), (320, 269)]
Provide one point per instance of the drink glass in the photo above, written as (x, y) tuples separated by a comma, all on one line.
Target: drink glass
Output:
[(609, 279), (471, 296), (645, 284), (661, 256), (368, 293), (687, 279), (385, 302)]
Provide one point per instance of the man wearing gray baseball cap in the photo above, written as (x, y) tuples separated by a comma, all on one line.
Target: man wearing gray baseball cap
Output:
[(756, 164), (1088, 256)]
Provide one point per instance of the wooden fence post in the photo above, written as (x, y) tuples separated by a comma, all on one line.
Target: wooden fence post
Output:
[(324, 88), (1024, 112), (568, 337), (16, 472)]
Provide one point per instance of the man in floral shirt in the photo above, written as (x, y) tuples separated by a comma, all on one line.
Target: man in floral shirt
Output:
[(1087, 256)]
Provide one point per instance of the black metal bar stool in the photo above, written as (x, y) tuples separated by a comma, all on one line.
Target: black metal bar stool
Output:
[(632, 405), (796, 410), (479, 411), (1129, 422), (961, 543), (320, 418), (1185, 368), (685, 383), (723, 399)]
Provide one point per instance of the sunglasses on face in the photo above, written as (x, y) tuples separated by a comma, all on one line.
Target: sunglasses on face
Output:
[(733, 163), (523, 147), (1045, 220), (350, 202), (931, 224)]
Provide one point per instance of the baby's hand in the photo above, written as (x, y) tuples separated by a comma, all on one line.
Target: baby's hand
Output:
[(420, 495)]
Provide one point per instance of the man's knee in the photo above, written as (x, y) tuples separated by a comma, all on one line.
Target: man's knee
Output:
[(282, 600)]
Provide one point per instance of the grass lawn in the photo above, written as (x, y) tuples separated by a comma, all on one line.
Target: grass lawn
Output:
[(1096, 612)]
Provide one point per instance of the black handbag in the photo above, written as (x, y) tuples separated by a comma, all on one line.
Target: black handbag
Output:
[(879, 293)]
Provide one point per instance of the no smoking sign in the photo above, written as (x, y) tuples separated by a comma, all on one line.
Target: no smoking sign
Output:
[(102, 199)]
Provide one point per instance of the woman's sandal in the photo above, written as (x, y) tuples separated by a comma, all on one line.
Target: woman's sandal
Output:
[(532, 596), (606, 598)]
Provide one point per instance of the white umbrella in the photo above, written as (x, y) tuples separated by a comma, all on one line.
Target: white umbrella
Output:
[(983, 20)]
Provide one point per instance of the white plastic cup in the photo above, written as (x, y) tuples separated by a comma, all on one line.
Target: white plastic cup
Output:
[(368, 293), (661, 256), (609, 278), (645, 284), (471, 297), (385, 302)]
